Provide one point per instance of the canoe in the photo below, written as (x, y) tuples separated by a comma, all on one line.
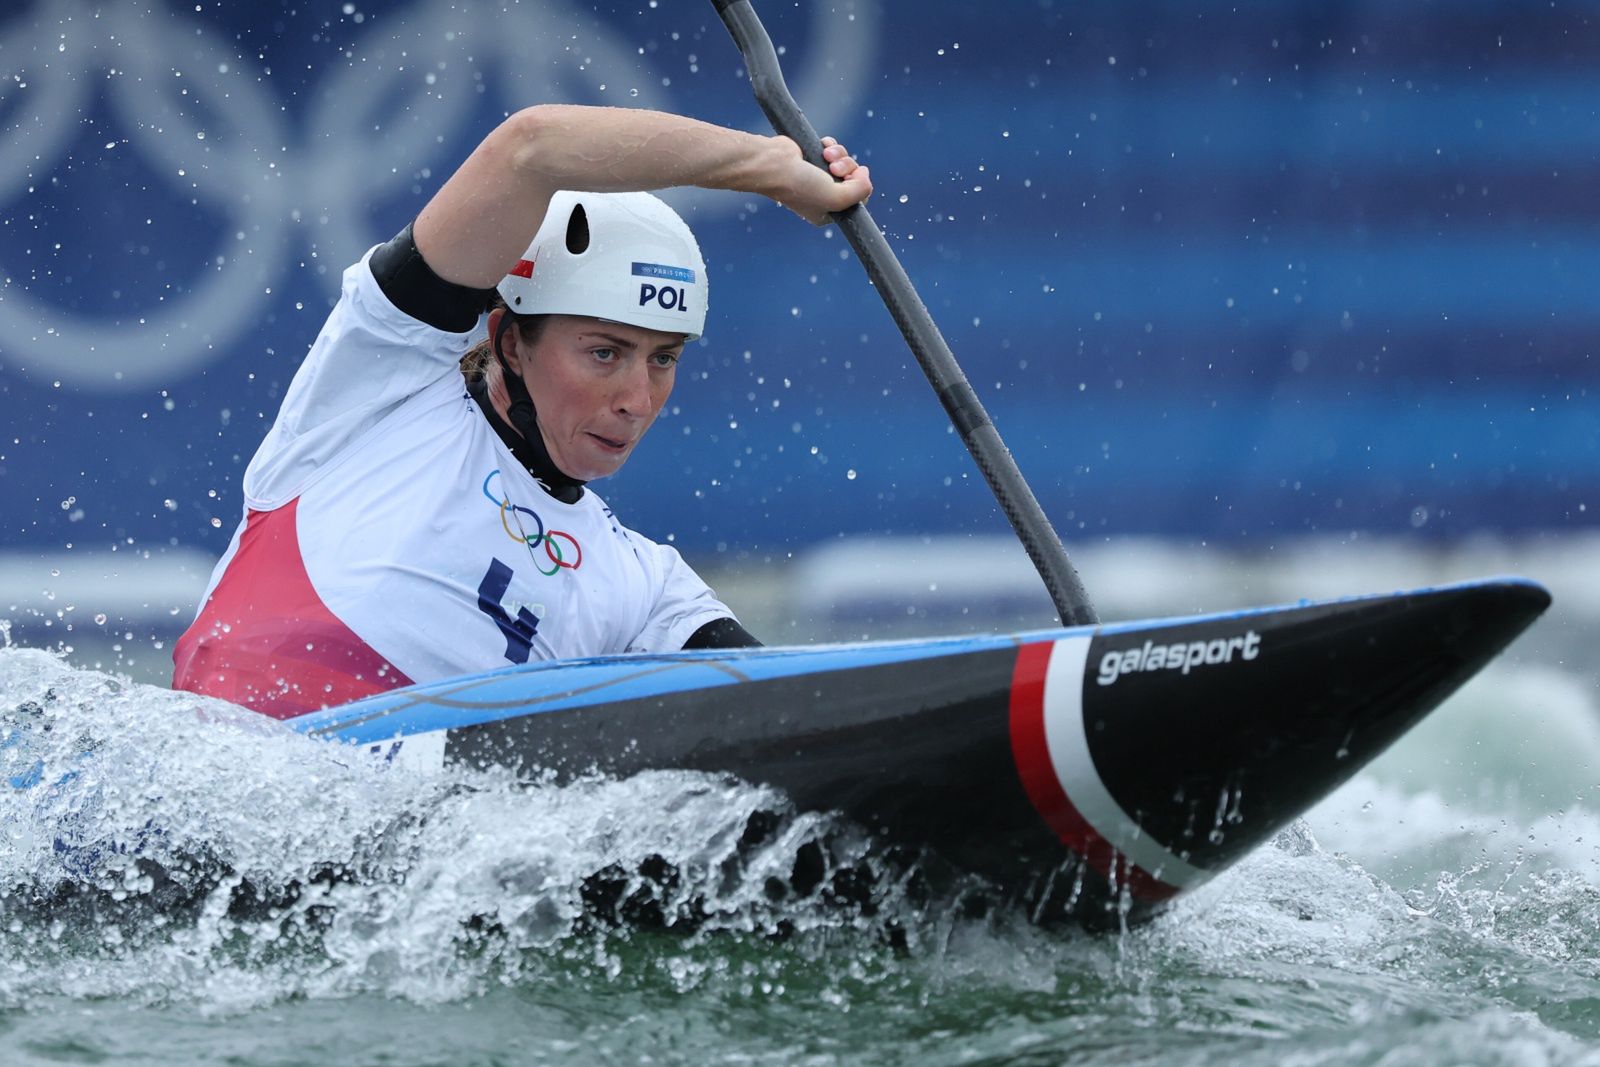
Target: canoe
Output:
[(1092, 773)]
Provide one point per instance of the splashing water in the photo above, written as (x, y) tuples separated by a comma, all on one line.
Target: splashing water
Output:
[(162, 845), (182, 880)]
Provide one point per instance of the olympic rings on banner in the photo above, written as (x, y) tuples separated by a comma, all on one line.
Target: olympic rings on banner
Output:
[(552, 548), (197, 111)]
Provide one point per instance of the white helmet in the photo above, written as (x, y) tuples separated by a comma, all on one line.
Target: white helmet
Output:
[(624, 257)]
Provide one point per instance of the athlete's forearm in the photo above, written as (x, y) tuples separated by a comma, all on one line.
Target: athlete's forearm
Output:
[(487, 213), (609, 149)]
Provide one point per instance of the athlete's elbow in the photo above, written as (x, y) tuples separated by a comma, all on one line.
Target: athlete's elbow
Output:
[(533, 136), (527, 123)]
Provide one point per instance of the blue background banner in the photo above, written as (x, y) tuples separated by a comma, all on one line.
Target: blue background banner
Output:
[(1228, 272)]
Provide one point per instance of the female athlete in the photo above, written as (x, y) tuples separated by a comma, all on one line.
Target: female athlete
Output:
[(418, 510)]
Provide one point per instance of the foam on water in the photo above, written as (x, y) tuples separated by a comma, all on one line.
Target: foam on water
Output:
[(172, 847)]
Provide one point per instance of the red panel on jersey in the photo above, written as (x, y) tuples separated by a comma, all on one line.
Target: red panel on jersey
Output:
[(266, 640)]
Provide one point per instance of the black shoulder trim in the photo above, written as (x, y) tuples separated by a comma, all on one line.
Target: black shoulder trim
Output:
[(721, 633), (410, 284)]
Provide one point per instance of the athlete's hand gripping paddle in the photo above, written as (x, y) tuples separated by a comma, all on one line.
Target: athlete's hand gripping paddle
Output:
[(927, 343)]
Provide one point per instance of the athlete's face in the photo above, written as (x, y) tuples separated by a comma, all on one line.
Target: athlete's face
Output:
[(597, 387)]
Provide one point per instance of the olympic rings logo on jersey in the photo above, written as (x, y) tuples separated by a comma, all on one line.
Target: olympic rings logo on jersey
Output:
[(511, 514)]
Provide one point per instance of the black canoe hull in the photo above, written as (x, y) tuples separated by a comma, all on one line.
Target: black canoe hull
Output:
[(1096, 772)]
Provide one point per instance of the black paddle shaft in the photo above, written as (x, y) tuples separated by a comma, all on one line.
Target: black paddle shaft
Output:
[(960, 402)]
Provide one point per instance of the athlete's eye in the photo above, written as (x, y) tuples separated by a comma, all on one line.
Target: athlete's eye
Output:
[(664, 359), (604, 355)]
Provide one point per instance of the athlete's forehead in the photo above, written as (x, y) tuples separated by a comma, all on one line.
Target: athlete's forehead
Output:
[(621, 334)]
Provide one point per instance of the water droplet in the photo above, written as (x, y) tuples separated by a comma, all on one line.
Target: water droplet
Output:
[(100, 619), (216, 522)]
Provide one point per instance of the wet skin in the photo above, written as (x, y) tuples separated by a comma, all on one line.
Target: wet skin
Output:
[(597, 386)]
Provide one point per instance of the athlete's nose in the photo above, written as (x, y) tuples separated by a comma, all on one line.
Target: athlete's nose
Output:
[(633, 390)]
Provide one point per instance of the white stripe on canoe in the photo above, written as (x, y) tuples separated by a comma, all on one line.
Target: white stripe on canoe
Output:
[(1069, 755)]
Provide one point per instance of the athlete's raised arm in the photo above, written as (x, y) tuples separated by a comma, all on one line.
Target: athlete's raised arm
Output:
[(483, 218)]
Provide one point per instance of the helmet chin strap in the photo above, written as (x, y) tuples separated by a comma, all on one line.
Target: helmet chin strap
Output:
[(523, 436)]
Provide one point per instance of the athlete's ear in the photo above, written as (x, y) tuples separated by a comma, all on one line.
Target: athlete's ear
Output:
[(503, 341)]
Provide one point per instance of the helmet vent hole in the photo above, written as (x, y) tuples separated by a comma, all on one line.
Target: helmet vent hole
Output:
[(578, 231)]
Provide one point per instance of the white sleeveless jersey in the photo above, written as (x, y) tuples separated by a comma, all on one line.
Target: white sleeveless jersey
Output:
[(390, 537)]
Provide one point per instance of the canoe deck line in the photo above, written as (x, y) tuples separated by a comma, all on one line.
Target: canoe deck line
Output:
[(1095, 772)]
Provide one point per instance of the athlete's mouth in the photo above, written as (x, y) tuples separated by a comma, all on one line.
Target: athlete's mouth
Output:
[(614, 445)]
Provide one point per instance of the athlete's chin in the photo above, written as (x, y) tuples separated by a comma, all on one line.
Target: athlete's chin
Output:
[(598, 471), (602, 463), (601, 458)]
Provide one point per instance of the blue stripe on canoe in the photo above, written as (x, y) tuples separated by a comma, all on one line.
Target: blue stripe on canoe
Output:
[(514, 691)]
